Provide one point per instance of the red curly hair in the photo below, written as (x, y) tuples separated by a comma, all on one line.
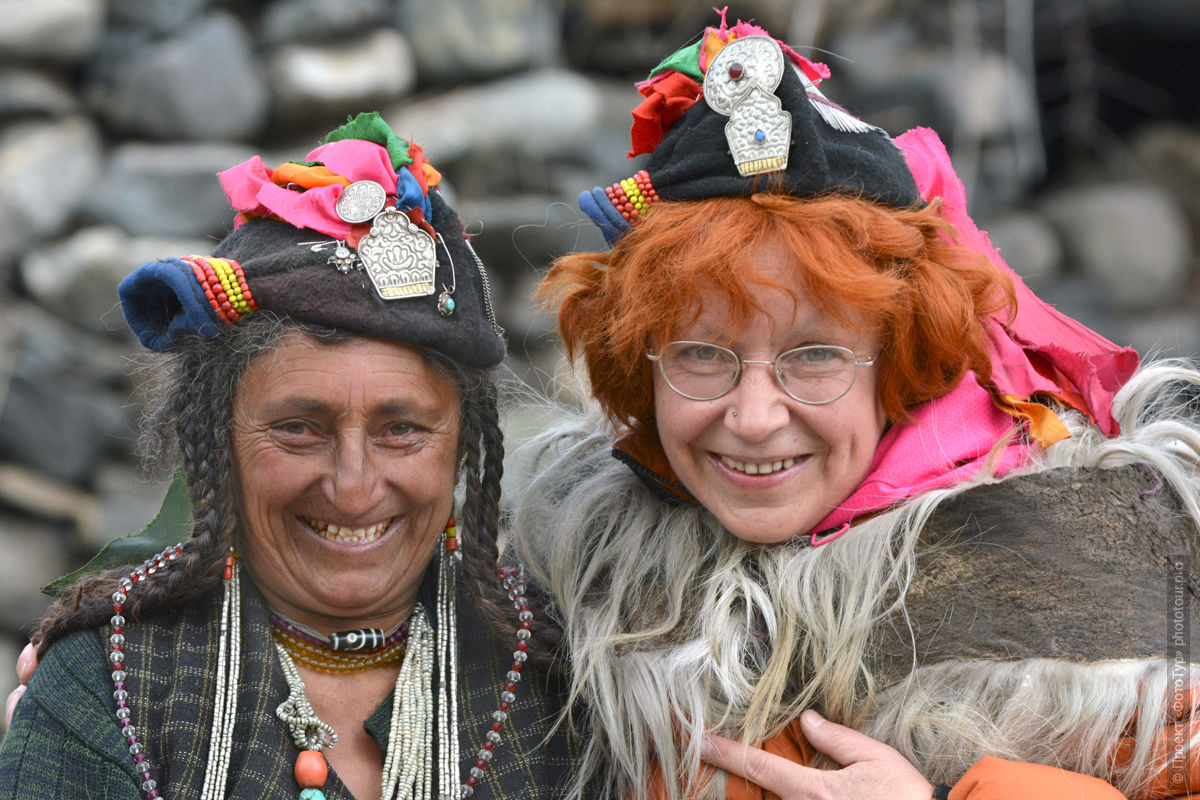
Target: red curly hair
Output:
[(920, 293)]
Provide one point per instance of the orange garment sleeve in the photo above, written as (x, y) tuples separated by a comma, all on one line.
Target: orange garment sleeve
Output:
[(989, 779), (998, 779), (1172, 746)]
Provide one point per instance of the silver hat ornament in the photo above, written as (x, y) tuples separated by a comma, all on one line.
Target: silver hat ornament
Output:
[(740, 83)]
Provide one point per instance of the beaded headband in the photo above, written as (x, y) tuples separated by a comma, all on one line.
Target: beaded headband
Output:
[(395, 265), (764, 125)]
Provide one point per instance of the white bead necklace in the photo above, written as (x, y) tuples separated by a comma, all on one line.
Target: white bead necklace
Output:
[(229, 667), (408, 762)]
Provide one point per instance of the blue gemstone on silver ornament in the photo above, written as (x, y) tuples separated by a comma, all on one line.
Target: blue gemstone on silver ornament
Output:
[(445, 303), (760, 136)]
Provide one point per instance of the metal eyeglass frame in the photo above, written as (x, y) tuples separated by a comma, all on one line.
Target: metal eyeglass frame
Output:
[(737, 377)]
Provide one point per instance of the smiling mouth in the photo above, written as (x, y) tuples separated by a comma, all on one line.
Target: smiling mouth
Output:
[(336, 533), (765, 468)]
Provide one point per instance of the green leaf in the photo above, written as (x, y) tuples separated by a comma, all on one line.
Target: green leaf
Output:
[(172, 524)]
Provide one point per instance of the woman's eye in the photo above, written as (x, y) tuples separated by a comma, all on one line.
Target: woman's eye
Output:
[(400, 429), (817, 357), (700, 352), (294, 427)]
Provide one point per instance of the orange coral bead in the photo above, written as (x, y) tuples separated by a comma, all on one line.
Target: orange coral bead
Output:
[(311, 769)]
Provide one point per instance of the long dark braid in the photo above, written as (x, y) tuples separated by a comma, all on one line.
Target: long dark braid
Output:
[(483, 468)]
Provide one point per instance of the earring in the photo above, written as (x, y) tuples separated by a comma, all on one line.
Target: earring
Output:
[(451, 536)]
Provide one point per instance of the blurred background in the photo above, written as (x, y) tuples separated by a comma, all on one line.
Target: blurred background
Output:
[(1075, 125)]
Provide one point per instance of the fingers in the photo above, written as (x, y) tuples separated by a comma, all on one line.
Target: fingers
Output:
[(785, 778), (26, 663), (844, 745), (10, 705), (870, 768)]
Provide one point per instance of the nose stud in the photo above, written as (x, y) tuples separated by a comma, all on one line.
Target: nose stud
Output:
[(734, 412)]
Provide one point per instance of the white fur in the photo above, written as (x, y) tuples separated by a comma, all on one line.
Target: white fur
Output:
[(660, 605)]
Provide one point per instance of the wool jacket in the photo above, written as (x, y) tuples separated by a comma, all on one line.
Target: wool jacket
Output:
[(65, 740)]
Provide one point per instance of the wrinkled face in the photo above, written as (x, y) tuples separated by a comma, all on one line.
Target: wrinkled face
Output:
[(770, 467), (345, 457)]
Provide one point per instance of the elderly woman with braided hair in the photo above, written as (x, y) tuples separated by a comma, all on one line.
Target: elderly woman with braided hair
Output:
[(327, 377), (845, 462)]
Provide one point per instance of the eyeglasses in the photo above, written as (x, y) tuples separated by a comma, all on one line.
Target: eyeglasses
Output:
[(814, 374)]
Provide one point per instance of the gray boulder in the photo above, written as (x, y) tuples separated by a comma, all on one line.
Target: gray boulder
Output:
[(1130, 237), (457, 39), (536, 115), (203, 84), (340, 79), (27, 92), (49, 171), (167, 189), (58, 415), (315, 21), (158, 16), (61, 31), (76, 278)]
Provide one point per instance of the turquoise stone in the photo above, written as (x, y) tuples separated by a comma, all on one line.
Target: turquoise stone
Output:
[(312, 794)]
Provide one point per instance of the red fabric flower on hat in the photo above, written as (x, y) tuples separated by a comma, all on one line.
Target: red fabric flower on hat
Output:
[(667, 97)]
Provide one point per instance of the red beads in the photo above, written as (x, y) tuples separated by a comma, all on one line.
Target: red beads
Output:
[(632, 196), (311, 769), (514, 581), (224, 285)]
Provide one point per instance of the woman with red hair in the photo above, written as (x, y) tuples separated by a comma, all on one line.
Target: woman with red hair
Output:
[(821, 477)]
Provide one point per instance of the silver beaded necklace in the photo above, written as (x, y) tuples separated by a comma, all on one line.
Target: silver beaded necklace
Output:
[(407, 762)]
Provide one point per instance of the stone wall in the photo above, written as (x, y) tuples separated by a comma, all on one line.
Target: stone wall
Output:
[(1074, 124)]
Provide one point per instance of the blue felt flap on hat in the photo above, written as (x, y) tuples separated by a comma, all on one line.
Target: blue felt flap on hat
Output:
[(163, 301), (601, 211)]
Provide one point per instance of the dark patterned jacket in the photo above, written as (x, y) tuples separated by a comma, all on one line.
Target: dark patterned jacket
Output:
[(65, 741)]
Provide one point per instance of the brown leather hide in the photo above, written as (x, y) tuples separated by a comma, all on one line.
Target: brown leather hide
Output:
[(1083, 565)]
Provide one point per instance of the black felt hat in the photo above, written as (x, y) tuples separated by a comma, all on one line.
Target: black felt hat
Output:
[(760, 125), (402, 270)]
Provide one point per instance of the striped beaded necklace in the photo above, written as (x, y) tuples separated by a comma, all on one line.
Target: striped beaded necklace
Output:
[(343, 652)]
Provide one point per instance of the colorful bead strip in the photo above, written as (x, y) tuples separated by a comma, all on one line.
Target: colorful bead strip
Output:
[(305, 634), (116, 660), (332, 662), (224, 285), (632, 196), (514, 581)]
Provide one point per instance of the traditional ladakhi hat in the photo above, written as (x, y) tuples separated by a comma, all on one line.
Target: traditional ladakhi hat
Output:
[(739, 112), (355, 237)]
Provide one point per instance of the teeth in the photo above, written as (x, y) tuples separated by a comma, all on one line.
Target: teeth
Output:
[(766, 468), (336, 533)]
